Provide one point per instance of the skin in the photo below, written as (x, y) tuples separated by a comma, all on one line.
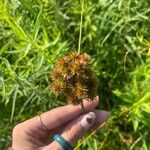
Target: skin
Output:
[(65, 120)]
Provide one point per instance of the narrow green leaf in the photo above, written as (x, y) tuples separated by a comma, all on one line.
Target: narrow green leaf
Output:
[(4, 48), (26, 103), (3, 88), (14, 102), (17, 29), (37, 24), (113, 28), (135, 125)]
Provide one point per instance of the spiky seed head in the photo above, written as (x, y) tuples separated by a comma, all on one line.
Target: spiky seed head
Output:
[(56, 88), (72, 77)]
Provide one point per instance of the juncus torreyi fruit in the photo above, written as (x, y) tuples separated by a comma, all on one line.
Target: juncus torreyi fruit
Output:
[(73, 78)]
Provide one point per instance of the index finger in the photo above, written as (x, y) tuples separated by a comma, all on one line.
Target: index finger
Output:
[(59, 116)]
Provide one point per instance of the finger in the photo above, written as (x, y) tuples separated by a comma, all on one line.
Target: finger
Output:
[(76, 129), (64, 114), (58, 116), (101, 118)]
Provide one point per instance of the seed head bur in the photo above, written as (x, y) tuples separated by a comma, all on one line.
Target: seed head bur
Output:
[(73, 78)]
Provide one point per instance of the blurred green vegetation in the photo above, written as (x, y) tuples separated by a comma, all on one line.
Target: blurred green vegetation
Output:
[(33, 34)]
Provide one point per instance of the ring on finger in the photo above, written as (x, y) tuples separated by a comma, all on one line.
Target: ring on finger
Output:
[(41, 123)]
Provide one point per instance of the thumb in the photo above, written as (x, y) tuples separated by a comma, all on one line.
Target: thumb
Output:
[(75, 130)]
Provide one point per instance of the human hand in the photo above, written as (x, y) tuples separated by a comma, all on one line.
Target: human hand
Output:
[(68, 121)]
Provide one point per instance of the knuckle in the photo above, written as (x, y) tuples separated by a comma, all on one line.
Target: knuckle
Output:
[(17, 129)]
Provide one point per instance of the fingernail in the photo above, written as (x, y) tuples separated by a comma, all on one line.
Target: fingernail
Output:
[(88, 120), (96, 98)]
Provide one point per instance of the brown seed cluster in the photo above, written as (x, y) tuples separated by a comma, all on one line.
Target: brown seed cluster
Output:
[(72, 77)]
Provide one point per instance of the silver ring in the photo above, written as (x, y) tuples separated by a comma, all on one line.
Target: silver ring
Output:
[(41, 123)]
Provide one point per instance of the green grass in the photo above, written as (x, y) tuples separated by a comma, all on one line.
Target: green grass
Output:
[(115, 33)]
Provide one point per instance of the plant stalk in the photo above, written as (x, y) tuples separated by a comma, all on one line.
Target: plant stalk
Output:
[(80, 34)]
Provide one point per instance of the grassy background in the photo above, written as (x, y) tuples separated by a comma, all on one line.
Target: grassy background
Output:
[(114, 32)]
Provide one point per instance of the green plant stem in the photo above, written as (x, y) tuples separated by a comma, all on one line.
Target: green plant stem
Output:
[(80, 34)]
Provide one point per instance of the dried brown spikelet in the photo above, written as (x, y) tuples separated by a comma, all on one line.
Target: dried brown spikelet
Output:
[(72, 77)]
